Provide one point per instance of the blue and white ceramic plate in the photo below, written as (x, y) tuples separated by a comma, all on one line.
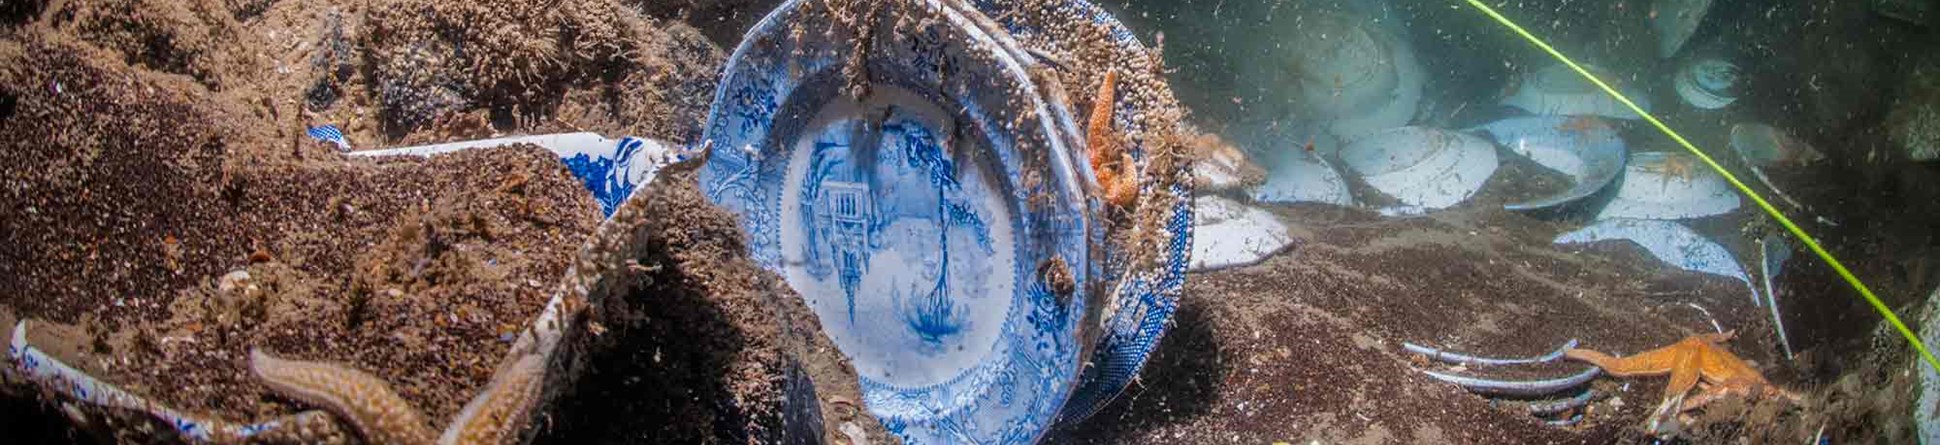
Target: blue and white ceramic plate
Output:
[(930, 223), (1138, 297), (1585, 148)]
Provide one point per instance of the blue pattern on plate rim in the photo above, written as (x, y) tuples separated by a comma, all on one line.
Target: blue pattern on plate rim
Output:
[(1145, 298), (892, 192)]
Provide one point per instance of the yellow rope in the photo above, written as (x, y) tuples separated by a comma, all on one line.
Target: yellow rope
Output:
[(1810, 243)]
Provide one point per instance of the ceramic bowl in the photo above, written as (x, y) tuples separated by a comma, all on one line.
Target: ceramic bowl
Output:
[(1707, 83), (1669, 185), (1585, 148), (1423, 168), (936, 222)]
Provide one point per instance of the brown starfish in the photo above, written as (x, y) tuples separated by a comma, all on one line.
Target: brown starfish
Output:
[(1113, 167), (371, 407), (1695, 362)]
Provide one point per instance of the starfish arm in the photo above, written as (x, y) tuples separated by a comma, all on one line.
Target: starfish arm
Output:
[(1098, 131), (499, 413), (1684, 373), (364, 401), (1653, 362)]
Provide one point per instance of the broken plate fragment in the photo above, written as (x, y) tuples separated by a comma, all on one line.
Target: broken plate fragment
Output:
[(610, 168), (1669, 242), (1669, 185), (1559, 90), (1423, 168), (1232, 234), (1675, 21), (1585, 148)]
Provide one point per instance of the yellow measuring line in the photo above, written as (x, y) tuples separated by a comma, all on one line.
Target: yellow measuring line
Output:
[(1728, 177)]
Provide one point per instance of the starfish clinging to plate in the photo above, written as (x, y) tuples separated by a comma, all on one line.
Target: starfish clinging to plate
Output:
[(1113, 167), (1675, 165), (1696, 362)]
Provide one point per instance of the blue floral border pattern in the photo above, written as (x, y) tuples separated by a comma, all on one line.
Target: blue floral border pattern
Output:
[(775, 78)]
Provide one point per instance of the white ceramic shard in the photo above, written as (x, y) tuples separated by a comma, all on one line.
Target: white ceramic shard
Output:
[(1559, 90), (1773, 251), (1585, 148), (1669, 185), (1422, 167), (1675, 21), (1231, 234), (1669, 242), (1707, 83)]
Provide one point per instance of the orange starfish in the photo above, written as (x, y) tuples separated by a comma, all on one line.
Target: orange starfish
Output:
[(1695, 362), (1581, 125), (1673, 165), (1113, 168)]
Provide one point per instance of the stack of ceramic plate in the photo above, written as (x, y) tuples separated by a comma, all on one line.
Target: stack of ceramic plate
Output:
[(913, 183), (1584, 148), (1136, 307), (1353, 75)]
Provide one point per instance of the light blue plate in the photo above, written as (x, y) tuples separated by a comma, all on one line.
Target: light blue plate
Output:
[(916, 221), (1669, 242), (1138, 302), (1585, 148)]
